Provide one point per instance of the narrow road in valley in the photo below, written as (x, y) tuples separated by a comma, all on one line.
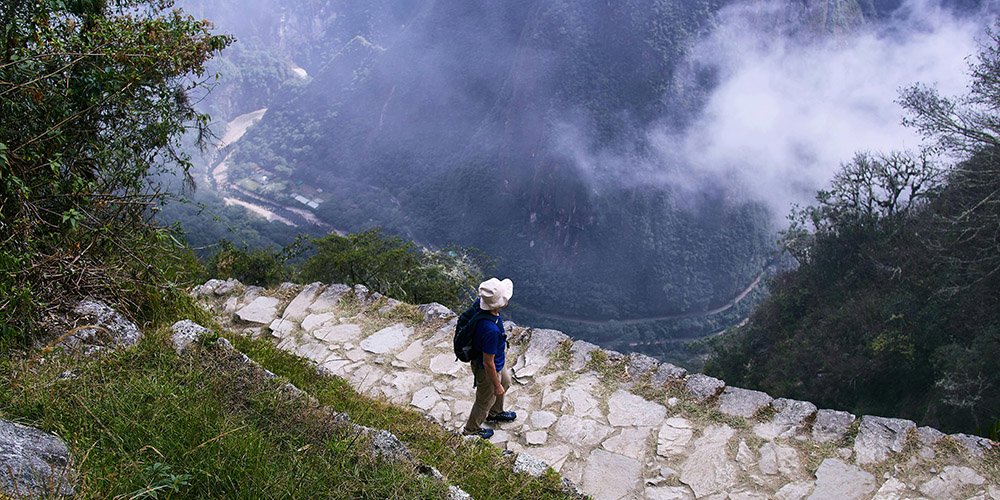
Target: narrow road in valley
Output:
[(635, 321)]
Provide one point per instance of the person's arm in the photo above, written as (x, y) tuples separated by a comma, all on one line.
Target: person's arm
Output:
[(491, 373)]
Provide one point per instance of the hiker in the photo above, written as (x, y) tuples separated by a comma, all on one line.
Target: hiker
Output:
[(490, 373)]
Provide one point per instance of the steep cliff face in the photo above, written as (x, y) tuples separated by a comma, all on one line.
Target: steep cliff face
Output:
[(620, 426)]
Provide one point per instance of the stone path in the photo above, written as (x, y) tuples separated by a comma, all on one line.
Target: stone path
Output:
[(618, 426)]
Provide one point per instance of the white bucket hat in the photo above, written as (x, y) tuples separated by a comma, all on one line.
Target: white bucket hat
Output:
[(494, 294)]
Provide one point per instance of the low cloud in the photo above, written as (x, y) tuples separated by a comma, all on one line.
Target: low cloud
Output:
[(787, 112)]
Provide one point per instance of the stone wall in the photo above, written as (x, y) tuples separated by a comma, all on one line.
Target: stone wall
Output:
[(620, 426)]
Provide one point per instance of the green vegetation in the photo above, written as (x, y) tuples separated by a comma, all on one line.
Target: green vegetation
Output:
[(476, 466), (893, 309), (145, 423), (394, 267), (88, 111)]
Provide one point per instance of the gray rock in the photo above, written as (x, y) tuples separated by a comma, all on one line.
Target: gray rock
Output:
[(329, 299), (789, 420), (703, 387), (580, 355), (708, 469), (632, 442), (314, 321), (831, 425), (542, 419), (578, 398), (262, 310), (795, 491), (185, 333), (338, 334), (388, 446), (580, 431), (892, 489), (975, 445), (364, 296), (667, 372), (536, 356), (298, 308), (674, 437), (227, 287), (387, 339), (610, 475), (742, 402), (527, 464), (33, 463), (777, 459), (206, 290), (950, 482), (836, 479), (434, 311), (445, 364), (879, 436), (425, 398), (667, 493), (536, 437), (928, 438), (99, 326), (640, 364), (281, 327), (627, 409), (456, 493)]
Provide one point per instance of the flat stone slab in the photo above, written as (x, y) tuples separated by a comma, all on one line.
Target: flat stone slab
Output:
[(578, 398), (314, 321), (742, 402), (674, 436), (778, 459), (328, 300), (789, 420), (445, 364), (631, 442), (667, 493), (703, 387), (262, 311), (879, 436), (425, 398), (836, 479), (297, 309), (33, 463), (950, 482), (831, 425), (338, 334), (542, 419), (541, 345), (580, 354), (667, 372), (281, 327), (581, 432), (536, 437), (435, 311), (627, 409), (708, 469), (387, 339), (610, 475)]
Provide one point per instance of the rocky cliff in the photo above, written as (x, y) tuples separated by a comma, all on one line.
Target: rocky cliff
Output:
[(620, 426)]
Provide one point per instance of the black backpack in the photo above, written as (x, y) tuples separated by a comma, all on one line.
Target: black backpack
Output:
[(466, 329)]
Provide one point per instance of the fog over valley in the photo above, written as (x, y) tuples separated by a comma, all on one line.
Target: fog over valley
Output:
[(628, 164)]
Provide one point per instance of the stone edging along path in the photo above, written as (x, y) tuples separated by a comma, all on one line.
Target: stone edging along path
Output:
[(618, 426)]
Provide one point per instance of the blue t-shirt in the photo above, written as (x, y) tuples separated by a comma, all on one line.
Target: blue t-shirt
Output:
[(491, 339)]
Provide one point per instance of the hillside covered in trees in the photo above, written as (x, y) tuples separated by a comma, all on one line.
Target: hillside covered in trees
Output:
[(893, 309)]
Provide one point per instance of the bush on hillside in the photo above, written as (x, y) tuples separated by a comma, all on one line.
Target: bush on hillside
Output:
[(94, 99)]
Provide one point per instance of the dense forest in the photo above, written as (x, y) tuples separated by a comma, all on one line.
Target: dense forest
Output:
[(893, 309)]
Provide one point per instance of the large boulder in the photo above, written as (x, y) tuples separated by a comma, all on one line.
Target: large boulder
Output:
[(33, 463)]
